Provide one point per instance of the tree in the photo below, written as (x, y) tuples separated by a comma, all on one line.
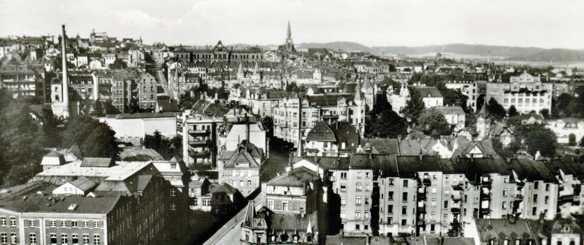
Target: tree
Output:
[(95, 139), (512, 111), (545, 113), (382, 121), (118, 64), (432, 122), (414, 106), (495, 109), (268, 125), (541, 139), (452, 97), (22, 140), (572, 139)]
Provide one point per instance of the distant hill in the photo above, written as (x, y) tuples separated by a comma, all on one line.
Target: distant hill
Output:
[(464, 50), (347, 46)]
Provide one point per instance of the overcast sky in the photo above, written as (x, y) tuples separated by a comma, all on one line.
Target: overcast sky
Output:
[(542, 23)]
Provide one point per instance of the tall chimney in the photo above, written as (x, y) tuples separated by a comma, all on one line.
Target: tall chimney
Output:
[(65, 86), (299, 125), (247, 128)]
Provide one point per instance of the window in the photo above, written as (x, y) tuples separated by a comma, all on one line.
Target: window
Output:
[(3, 221), (432, 227), (389, 220), (96, 239), (53, 223), (343, 188), (32, 238), (357, 200), (3, 238), (404, 197), (404, 222), (343, 175), (405, 183), (390, 195), (404, 210), (85, 239), (357, 227), (271, 204), (535, 197), (74, 224), (536, 185), (357, 214), (366, 227), (534, 211), (75, 239), (64, 239), (285, 206), (445, 204), (53, 238), (547, 187), (13, 238), (12, 221), (389, 209)]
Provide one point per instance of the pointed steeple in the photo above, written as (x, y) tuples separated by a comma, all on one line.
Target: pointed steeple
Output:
[(483, 112), (289, 34)]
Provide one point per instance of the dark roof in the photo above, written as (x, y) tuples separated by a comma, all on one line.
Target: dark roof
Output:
[(504, 229), (327, 100), (294, 222), (296, 177), (142, 115), (99, 162), (384, 145), (428, 91), (346, 133), (531, 170), (27, 198), (321, 132)]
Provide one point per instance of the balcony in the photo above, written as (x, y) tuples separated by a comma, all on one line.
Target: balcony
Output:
[(199, 132), (566, 199), (199, 143), (199, 154)]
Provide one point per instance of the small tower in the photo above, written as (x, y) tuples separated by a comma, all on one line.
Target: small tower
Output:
[(483, 123)]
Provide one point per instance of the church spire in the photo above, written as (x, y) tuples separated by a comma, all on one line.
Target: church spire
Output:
[(289, 34)]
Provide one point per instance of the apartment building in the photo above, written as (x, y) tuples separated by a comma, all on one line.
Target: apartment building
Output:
[(525, 92), (297, 191), (240, 168), (292, 120)]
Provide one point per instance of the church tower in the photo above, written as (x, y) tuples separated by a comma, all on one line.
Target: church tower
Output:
[(289, 44)]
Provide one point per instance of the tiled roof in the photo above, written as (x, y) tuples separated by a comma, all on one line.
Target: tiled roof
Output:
[(504, 229), (83, 184), (321, 132), (97, 162), (296, 177)]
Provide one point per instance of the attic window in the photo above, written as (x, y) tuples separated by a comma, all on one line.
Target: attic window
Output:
[(72, 207)]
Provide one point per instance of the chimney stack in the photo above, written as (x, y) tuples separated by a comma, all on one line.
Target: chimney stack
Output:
[(65, 86), (299, 125)]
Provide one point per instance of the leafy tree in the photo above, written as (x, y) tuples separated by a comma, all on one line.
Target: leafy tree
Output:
[(545, 113), (382, 121), (572, 140), (118, 64), (541, 139), (268, 125), (512, 111), (163, 145), (95, 139), (495, 109), (433, 123), (452, 97), (21, 142), (414, 106)]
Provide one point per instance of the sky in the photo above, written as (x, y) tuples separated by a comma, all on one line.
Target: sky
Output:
[(538, 23)]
